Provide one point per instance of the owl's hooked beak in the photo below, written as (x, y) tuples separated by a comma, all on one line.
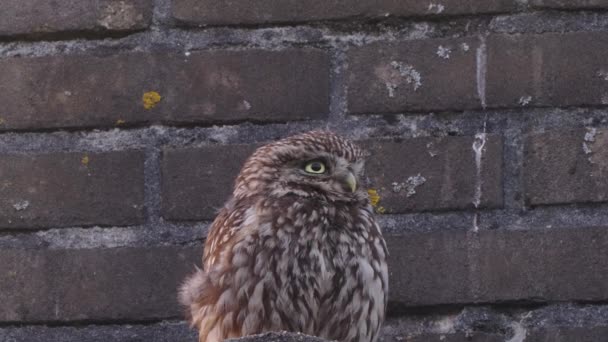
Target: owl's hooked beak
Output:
[(351, 181)]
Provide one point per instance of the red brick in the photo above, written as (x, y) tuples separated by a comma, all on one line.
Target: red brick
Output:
[(447, 167), (71, 189), (538, 70), (222, 12), (197, 181), (413, 76), (566, 167), (25, 17), (95, 284), (204, 87)]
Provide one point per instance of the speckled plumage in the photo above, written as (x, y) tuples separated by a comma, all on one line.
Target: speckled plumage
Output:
[(293, 251)]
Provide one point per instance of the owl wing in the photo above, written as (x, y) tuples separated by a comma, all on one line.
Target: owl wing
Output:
[(222, 231), (201, 291)]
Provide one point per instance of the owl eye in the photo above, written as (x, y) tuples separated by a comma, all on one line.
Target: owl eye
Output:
[(315, 167)]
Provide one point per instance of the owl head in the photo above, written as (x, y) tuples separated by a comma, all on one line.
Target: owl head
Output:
[(317, 164)]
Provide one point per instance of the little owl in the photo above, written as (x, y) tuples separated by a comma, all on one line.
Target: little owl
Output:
[(296, 248)]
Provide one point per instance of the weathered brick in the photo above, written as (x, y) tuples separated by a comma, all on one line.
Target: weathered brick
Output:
[(221, 12), (418, 75), (543, 265), (419, 265), (499, 266), (196, 182), (571, 4), (538, 70), (24, 17), (95, 284), (282, 336), (565, 334), (435, 173), (566, 167), (457, 337), (71, 189), (159, 332), (204, 87)]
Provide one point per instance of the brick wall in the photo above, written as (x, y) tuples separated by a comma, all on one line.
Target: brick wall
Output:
[(122, 124)]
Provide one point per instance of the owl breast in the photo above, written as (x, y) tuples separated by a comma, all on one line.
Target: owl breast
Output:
[(314, 267)]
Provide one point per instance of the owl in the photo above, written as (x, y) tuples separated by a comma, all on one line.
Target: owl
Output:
[(296, 248)]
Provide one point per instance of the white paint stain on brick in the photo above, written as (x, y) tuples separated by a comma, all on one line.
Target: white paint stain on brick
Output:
[(397, 74), (436, 8), (603, 74), (411, 75), (444, 52), (21, 205), (589, 139), (410, 185), (482, 69), (525, 100), (431, 149), (390, 87), (478, 149)]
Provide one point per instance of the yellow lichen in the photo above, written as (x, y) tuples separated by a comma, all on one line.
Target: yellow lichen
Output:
[(85, 160), (1, 121), (374, 199), (120, 122), (150, 99)]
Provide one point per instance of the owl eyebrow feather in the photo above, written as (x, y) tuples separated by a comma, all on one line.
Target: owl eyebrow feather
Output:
[(323, 160)]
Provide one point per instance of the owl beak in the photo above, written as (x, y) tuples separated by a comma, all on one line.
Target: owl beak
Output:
[(351, 181)]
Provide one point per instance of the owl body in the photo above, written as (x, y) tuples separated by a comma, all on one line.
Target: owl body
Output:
[(292, 251)]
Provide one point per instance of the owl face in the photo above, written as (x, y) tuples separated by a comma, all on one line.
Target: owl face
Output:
[(315, 164), (322, 172)]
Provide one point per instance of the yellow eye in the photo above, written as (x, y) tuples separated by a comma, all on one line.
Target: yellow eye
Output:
[(315, 167)]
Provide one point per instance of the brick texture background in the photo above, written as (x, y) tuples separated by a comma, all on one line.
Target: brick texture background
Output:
[(123, 124)]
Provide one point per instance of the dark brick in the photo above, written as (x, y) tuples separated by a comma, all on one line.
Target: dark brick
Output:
[(197, 181), (221, 12), (71, 189), (160, 332), (543, 265), (499, 266), (413, 76), (557, 334), (419, 265), (448, 167), (96, 284), (566, 167), (537, 70), (282, 336), (571, 4), (204, 87), (24, 17), (457, 337)]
